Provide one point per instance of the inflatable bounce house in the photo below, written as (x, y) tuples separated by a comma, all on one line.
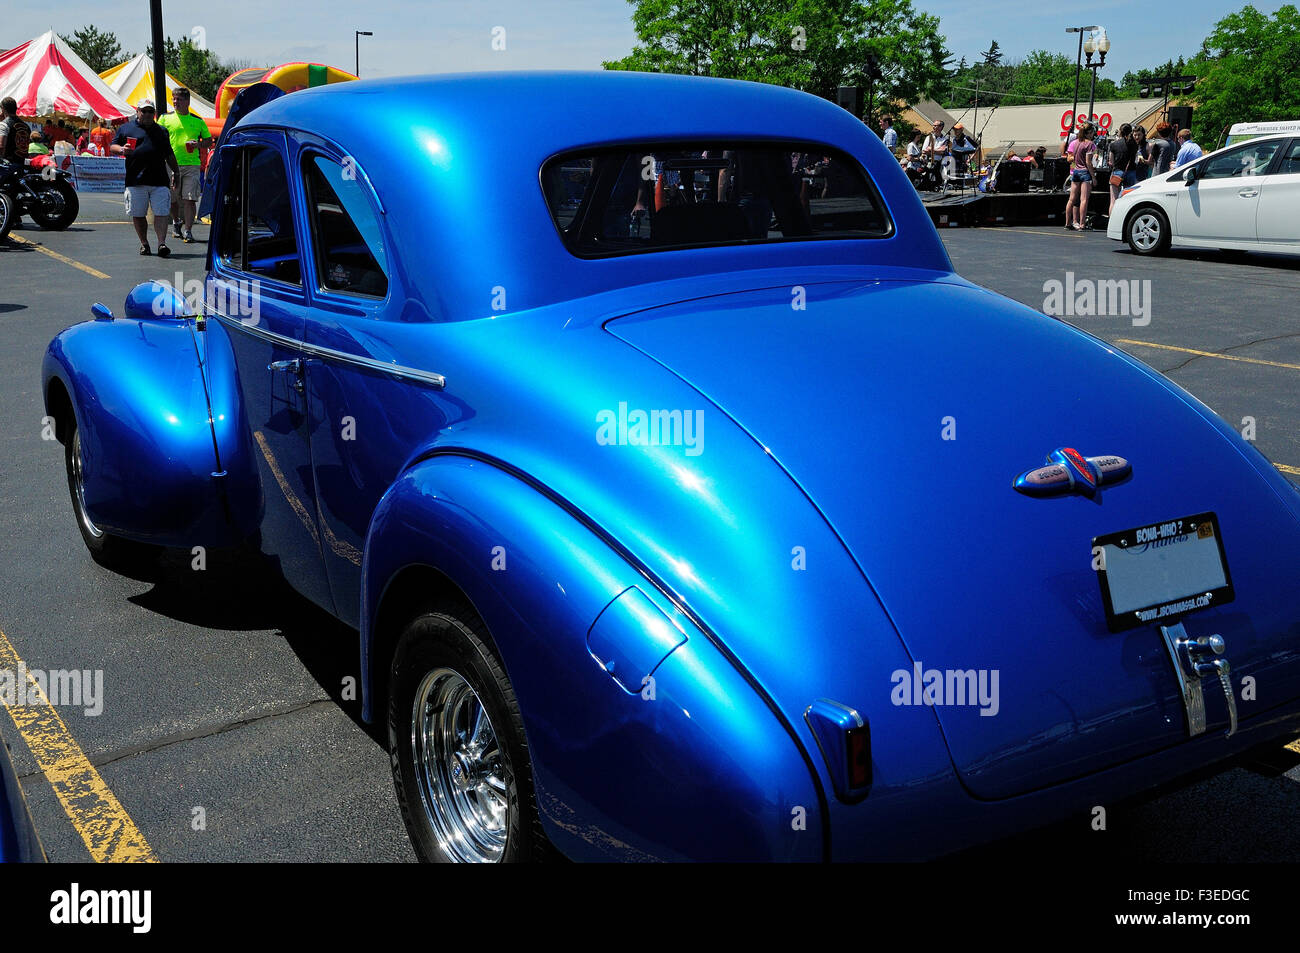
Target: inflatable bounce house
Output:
[(287, 76)]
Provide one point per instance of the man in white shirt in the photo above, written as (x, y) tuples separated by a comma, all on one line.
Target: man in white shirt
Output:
[(937, 142)]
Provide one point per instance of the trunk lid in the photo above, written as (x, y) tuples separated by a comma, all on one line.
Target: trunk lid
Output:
[(904, 410)]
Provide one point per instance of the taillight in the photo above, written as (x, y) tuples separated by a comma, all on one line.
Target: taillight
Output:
[(844, 738)]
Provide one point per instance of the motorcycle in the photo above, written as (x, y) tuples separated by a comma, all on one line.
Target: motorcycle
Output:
[(44, 194)]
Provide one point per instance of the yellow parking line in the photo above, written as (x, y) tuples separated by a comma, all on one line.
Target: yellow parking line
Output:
[(1224, 357), (1286, 469), (63, 258), (108, 831)]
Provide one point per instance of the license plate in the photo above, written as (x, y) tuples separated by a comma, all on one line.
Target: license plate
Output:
[(1153, 574)]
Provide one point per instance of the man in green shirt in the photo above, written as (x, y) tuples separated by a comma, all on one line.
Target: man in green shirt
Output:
[(190, 139)]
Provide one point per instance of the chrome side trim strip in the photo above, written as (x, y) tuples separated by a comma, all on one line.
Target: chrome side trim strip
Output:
[(338, 357)]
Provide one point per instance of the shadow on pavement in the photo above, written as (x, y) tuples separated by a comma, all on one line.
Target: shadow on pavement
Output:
[(244, 591)]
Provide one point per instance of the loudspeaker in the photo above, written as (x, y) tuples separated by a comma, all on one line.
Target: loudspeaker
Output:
[(850, 98), (1055, 171), (1180, 117), (1013, 176)]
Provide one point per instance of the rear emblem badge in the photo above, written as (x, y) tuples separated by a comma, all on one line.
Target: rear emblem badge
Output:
[(1069, 471)]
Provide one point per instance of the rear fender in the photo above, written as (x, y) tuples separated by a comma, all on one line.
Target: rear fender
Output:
[(703, 769)]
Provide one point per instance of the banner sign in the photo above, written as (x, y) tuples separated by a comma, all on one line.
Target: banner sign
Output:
[(96, 174)]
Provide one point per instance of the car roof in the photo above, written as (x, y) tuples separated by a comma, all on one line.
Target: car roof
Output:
[(458, 157)]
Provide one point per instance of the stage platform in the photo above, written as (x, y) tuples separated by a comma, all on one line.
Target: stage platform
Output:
[(971, 208)]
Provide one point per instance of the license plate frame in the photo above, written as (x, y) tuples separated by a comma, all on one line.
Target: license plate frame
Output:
[(1111, 553)]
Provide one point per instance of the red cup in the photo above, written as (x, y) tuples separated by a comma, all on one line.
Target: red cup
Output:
[(130, 142)]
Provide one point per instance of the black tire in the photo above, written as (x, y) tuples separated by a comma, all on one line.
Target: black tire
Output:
[(8, 215), (1147, 231), (69, 207), (454, 640), (111, 552)]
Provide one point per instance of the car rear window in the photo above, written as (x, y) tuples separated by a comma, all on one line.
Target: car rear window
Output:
[(658, 197)]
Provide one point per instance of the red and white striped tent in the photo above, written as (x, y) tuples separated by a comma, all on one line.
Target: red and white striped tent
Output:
[(46, 78)]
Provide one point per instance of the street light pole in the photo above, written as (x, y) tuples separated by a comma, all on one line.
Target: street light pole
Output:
[(1078, 70), (357, 41), (1102, 45)]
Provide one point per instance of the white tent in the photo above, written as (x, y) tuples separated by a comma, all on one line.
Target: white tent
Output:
[(133, 81)]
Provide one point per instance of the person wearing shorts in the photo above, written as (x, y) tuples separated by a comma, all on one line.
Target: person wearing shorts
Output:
[(190, 139), (150, 171), (1081, 179)]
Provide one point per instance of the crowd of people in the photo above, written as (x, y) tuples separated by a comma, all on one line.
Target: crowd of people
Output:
[(1131, 157), (929, 159), (164, 158)]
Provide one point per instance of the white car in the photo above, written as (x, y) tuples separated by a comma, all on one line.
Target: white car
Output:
[(1244, 197)]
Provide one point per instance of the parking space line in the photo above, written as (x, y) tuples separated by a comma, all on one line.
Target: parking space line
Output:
[(1223, 357), (94, 273), (1286, 469), (98, 816)]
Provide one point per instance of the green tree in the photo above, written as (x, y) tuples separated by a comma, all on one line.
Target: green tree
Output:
[(813, 45), (171, 54), (99, 50), (987, 79), (200, 70), (1248, 70), (1149, 77)]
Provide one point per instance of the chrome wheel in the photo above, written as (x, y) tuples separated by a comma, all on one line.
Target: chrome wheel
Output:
[(460, 770), (1145, 231), (79, 487)]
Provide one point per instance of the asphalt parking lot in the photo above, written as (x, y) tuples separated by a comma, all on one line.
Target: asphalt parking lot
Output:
[(226, 732)]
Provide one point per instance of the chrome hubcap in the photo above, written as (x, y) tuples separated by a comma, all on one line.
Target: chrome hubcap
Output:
[(79, 486), (460, 769), (1146, 231)]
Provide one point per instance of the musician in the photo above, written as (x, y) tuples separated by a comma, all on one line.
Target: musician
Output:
[(912, 161), (962, 148), (936, 144)]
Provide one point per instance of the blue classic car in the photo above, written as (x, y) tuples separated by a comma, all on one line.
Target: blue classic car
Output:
[(686, 503)]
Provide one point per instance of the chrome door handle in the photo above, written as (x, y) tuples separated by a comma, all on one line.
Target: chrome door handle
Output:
[(1248, 193), (293, 367)]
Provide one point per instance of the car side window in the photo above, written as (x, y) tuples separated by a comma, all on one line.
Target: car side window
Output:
[(271, 244), (1251, 159), (230, 243), (1291, 160), (350, 252)]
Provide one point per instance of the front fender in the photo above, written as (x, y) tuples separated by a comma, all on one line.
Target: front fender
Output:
[(137, 394), (703, 770)]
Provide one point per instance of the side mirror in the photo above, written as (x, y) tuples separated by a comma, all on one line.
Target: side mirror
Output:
[(100, 312), (1190, 176), (155, 301)]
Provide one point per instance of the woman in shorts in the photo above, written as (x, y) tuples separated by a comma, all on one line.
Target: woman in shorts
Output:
[(1076, 210)]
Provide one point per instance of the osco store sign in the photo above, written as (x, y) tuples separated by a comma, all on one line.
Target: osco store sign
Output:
[(1103, 121)]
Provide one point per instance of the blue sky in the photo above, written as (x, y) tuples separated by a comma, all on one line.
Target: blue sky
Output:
[(422, 36)]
